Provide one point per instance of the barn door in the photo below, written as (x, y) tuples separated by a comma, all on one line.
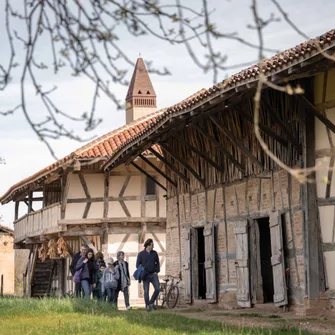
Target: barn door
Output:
[(187, 266), (242, 263), (210, 263), (277, 260)]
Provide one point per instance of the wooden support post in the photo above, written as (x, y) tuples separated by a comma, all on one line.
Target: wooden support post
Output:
[(89, 243), (148, 175), (220, 147), (1, 287), (106, 194), (310, 209), (170, 166), (30, 202), (183, 162), (16, 215), (235, 140), (158, 170), (65, 191)]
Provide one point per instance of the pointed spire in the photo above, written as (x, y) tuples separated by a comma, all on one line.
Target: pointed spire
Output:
[(140, 85)]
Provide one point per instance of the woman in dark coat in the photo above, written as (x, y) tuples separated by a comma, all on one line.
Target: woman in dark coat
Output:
[(124, 280), (88, 273)]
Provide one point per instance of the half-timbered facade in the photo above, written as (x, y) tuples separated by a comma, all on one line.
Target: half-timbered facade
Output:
[(79, 203), (243, 227)]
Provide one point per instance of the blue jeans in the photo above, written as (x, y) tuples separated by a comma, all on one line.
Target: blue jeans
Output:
[(86, 287), (153, 279)]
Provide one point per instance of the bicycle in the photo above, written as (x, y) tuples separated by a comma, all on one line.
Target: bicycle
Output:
[(169, 293)]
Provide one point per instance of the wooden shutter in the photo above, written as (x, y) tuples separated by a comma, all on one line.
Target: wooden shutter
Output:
[(187, 266), (210, 263), (242, 264), (277, 260)]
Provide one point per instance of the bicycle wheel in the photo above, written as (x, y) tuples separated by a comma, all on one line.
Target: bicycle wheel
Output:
[(172, 297)]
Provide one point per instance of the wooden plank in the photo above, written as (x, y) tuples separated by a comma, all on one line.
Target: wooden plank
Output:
[(66, 180), (110, 220), (158, 170), (277, 260), (218, 145), (84, 185), (262, 127), (112, 198), (148, 175), (236, 141), (199, 153), (183, 163), (156, 239), (106, 194), (242, 264), (287, 131), (89, 243), (210, 267), (16, 215), (125, 209), (170, 166), (226, 231)]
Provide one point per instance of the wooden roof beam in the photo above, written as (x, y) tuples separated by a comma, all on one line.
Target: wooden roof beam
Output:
[(158, 170), (263, 127), (169, 165), (220, 147), (235, 140), (323, 118), (183, 162), (149, 176), (198, 152)]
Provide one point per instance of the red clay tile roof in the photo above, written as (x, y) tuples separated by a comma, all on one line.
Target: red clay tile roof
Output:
[(97, 149), (278, 63), (7, 230)]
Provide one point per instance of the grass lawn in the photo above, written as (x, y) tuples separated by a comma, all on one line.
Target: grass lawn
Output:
[(72, 316)]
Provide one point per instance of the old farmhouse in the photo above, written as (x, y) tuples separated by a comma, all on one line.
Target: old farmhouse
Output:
[(241, 228), (79, 203)]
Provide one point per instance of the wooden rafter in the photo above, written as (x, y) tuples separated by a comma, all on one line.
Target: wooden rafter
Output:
[(198, 152), (323, 118), (149, 176), (170, 166), (288, 132), (183, 162), (158, 170), (266, 129), (235, 140), (65, 191), (220, 147)]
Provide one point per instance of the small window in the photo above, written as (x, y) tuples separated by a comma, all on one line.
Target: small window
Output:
[(150, 187), (148, 92), (139, 92)]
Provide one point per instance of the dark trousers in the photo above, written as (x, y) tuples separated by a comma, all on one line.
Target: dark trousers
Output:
[(77, 289), (112, 295), (126, 296), (153, 279)]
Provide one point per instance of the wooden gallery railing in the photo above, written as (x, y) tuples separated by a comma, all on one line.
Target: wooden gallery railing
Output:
[(33, 224)]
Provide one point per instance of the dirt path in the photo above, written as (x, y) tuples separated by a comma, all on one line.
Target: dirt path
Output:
[(324, 324)]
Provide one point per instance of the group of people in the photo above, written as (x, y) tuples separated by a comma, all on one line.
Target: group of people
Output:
[(106, 279)]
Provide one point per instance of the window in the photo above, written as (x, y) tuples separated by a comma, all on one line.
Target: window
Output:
[(150, 187), (148, 92), (139, 92)]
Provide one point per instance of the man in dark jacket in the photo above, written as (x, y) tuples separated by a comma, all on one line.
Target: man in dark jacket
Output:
[(149, 259), (75, 259)]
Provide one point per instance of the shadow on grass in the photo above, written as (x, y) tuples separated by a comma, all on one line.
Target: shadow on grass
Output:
[(155, 320)]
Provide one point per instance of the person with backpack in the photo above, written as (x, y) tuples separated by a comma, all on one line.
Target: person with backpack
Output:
[(124, 280), (148, 260), (87, 268), (110, 281)]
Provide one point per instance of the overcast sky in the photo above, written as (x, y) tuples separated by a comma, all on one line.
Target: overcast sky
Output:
[(25, 154)]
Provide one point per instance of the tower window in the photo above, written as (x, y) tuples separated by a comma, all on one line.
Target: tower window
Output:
[(150, 187), (139, 92), (148, 92)]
